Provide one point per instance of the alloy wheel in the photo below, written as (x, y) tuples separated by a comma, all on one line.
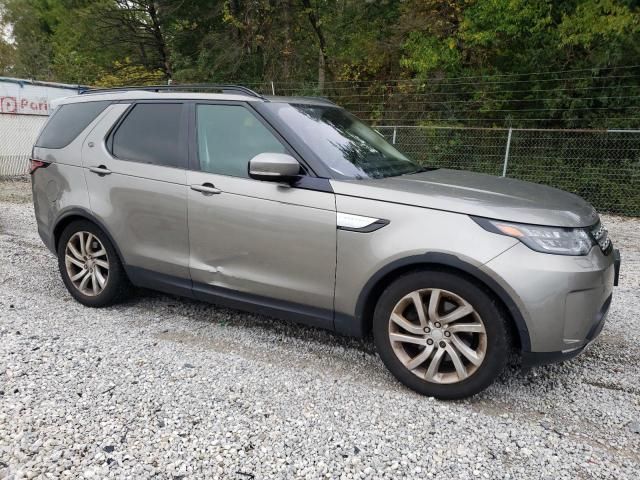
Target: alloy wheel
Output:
[(87, 263), (437, 335)]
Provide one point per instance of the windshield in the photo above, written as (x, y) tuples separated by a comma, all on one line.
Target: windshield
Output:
[(343, 143)]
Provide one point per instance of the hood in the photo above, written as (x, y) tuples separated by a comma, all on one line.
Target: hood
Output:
[(477, 194)]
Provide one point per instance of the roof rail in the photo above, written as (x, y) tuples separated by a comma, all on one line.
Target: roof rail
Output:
[(179, 87)]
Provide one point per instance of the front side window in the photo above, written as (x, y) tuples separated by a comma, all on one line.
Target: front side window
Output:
[(229, 136), (152, 133), (341, 141)]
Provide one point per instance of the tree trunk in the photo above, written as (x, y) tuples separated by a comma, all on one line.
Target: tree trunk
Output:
[(321, 70), (322, 60), (286, 51), (161, 44)]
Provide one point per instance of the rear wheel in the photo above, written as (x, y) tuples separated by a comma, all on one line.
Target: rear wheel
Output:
[(89, 265), (440, 334)]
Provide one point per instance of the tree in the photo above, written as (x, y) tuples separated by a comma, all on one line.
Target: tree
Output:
[(137, 25), (488, 62)]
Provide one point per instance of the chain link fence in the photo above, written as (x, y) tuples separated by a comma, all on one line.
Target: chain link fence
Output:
[(17, 135), (599, 165)]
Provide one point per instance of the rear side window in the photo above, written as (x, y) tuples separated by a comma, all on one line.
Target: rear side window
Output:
[(67, 122), (152, 133)]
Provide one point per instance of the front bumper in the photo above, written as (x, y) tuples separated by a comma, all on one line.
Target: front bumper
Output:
[(564, 300), (532, 359)]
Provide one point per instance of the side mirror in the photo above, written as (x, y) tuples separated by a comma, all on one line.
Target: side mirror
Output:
[(274, 167)]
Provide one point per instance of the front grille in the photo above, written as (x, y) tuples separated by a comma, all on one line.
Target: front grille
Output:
[(601, 235)]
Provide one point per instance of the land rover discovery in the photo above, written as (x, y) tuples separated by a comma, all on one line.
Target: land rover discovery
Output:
[(293, 208)]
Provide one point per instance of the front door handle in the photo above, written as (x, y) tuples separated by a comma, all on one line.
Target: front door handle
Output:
[(100, 170), (206, 188)]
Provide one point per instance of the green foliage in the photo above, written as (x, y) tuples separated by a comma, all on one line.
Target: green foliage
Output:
[(7, 58), (426, 54), (124, 73), (595, 24), (501, 45), (520, 63)]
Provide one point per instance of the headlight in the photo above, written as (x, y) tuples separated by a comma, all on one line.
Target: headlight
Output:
[(556, 240)]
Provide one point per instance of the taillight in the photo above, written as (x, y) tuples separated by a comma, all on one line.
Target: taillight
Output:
[(36, 164)]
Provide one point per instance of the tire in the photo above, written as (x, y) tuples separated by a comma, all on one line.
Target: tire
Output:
[(482, 328), (100, 262)]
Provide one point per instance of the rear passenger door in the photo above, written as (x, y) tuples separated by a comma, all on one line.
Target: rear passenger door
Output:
[(135, 168), (261, 239)]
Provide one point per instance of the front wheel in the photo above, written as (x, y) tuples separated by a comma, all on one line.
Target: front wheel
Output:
[(440, 334)]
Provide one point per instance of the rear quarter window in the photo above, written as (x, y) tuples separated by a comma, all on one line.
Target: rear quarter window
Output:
[(67, 122)]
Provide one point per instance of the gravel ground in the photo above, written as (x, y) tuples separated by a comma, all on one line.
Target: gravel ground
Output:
[(171, 388)]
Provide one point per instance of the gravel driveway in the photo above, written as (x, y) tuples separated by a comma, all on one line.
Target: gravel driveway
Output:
[(170, 388)]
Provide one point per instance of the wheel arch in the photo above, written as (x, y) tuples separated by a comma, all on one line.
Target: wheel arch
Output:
[(68, 216), (441, 262)]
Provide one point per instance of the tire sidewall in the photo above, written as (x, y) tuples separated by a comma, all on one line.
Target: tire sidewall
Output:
[(116, 272), (489, 311)]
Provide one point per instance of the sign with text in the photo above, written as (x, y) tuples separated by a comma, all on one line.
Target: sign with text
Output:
[(27, 99)]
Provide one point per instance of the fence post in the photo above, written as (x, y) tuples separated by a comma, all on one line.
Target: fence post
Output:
[(393, 140), (273, 89), (506, 154)]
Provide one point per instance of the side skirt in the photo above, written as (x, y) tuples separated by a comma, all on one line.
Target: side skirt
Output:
[(290, 311)]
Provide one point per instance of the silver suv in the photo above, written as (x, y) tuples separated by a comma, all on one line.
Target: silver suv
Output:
[(293, 208)]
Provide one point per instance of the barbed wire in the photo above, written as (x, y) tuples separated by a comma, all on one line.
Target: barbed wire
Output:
[(406, 121), (447, 102), (499, 100), (553, 72), (438, 83), (267, 89)]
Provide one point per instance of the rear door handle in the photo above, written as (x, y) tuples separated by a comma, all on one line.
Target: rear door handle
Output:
[(100, 170), (206, 188)]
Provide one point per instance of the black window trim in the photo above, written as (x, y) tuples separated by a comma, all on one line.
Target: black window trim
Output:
[(183, 136)]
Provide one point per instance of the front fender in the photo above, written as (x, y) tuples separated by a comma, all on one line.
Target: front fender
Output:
[(360, 323)]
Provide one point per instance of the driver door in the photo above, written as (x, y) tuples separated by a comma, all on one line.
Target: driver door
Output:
[(257, 242)]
